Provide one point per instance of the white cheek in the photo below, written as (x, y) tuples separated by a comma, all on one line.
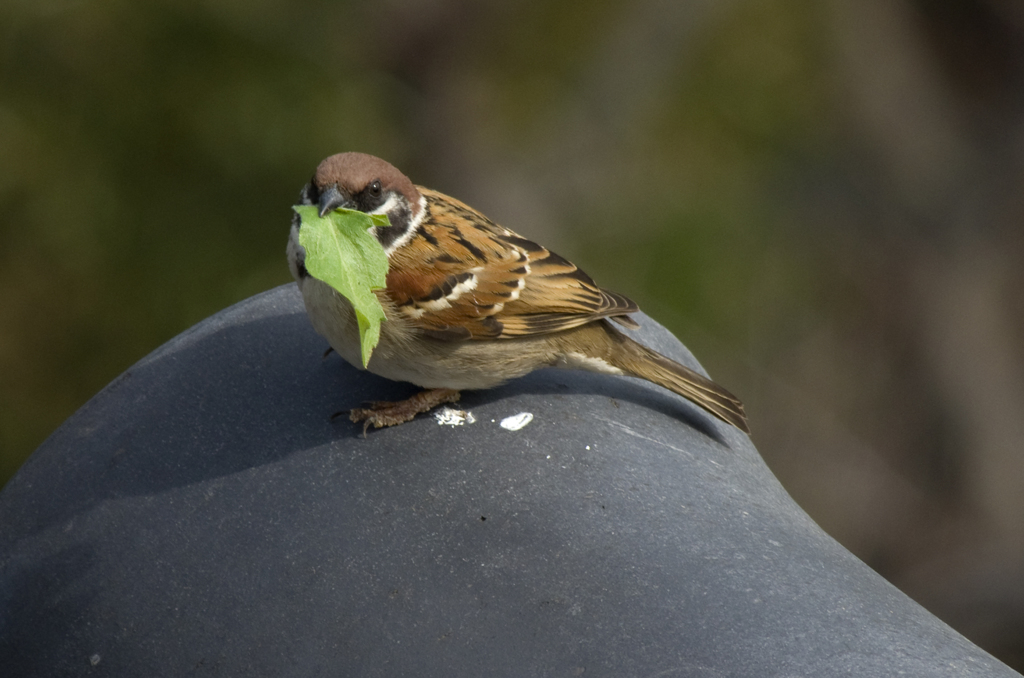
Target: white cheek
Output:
[(391, 203), (414, 223)]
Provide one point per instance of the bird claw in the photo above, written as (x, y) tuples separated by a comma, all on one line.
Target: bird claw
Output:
[(384, 413)]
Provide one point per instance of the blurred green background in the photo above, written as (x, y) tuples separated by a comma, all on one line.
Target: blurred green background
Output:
[(822, 198)]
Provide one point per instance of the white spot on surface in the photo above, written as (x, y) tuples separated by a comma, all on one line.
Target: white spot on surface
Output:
[(95, 659), (451, 417), (516, 421)]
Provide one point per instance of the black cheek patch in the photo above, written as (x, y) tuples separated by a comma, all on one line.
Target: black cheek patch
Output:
[(399, 219)]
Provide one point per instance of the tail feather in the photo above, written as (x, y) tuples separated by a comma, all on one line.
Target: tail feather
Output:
[(598, 346), (639, 361), (691, 385)]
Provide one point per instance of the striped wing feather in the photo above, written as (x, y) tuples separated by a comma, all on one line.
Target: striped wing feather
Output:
[(490, 283)]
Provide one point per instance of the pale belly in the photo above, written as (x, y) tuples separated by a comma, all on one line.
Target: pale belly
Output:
[(403, 355)]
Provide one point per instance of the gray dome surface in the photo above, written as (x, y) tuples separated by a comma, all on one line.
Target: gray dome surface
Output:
[(203, 516)]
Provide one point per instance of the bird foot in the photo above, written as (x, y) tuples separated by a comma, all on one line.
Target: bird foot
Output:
[(384, 413)]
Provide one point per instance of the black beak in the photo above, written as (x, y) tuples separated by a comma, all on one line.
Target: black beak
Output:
[(331, 199)]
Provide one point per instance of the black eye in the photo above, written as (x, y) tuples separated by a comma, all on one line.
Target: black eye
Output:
[(374, 189)]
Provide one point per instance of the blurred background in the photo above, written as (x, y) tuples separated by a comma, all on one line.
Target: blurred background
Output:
[(822, 198)]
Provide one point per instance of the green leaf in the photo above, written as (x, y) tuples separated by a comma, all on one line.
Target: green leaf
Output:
[(342, 252)]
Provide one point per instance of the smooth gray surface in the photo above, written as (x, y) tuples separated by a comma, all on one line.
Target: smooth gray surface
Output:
[(202, 516)]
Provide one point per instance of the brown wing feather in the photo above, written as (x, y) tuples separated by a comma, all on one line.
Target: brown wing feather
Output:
[(524, 288)]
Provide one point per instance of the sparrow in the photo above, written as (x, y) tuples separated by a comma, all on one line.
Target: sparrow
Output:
[(470, 304)]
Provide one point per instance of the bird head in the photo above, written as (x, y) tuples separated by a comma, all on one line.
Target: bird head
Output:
[(366, 183)]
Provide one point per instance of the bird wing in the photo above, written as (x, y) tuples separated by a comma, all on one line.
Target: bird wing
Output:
[(483, 281)]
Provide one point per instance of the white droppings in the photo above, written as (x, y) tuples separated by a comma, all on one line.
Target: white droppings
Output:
[(451, 417), (516, 421)]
